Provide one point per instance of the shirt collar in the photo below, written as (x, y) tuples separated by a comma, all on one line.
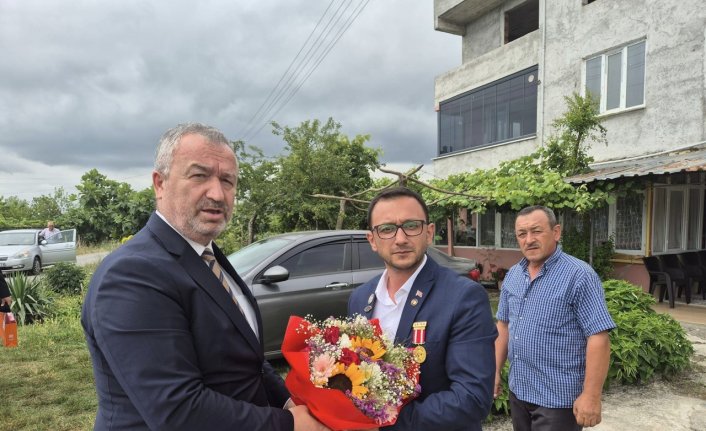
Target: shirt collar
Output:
[(551, 260), (401, 295), (198, 248)]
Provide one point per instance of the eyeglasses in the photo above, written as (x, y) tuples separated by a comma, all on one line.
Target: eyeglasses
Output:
[(410, 228)]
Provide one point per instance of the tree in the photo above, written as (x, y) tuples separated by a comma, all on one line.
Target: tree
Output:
[(256, 187), (320, 160), (107, 209)]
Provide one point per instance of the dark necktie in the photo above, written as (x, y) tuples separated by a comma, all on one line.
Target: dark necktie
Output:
[(218, 272)]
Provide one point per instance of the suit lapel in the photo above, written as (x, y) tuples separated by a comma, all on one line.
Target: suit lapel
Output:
[(415, 301), (204, 278)]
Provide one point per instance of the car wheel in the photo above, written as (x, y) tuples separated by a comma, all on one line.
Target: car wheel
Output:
[(36, 266)]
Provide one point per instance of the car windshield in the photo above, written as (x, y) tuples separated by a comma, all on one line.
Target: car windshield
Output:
[(16, 238), (246, 258)]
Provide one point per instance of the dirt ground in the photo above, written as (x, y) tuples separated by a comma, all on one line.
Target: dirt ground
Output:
[(676, 404)]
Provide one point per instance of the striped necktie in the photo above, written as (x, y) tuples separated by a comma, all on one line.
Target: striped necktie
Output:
[(210, 259)]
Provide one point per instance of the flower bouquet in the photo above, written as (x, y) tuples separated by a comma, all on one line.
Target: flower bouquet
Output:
[(347, 373)]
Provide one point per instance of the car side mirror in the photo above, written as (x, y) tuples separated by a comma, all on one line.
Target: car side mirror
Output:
[(274, 275), (43, 242)]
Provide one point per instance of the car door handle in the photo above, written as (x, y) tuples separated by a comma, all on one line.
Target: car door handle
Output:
[(337, 286)]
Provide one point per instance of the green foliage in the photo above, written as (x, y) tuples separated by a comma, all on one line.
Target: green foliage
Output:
[(321, 160), (31, 301), (576, 242), (644, 343), (566, 150), (501, 404), (65, 277), (107, 209)]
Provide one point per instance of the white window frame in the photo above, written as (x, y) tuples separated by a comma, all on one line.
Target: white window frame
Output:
[(623, 78)]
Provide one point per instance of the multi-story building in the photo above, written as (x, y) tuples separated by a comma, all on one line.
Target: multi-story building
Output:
[(645, 60)]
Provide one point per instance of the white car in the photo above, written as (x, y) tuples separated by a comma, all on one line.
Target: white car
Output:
[(25, 250)]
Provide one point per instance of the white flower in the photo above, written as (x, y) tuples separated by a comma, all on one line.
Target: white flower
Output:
[(344, 341)]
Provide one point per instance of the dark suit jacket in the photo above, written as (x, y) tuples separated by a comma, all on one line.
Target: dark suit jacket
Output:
[(459, 372), (170, 349)]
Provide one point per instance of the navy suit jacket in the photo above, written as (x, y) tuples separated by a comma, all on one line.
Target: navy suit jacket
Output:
[(458, 375), (170, 349)]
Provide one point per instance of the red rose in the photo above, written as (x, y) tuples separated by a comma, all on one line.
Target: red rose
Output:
[(332, 334), (376, 325), (348, 357)]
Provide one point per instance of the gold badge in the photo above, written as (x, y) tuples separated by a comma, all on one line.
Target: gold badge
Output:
[(420, 354), (413, 302)]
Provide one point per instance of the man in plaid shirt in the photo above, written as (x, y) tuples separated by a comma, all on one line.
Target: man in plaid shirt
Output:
[(553, 326)]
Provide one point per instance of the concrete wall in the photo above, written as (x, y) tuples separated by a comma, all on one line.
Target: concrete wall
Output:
[(675, 91), (674, 112)]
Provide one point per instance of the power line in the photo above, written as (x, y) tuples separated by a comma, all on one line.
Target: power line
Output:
[(267, 99), (293, 81)]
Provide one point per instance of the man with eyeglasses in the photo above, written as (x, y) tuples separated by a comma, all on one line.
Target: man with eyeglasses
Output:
[(445, 318)]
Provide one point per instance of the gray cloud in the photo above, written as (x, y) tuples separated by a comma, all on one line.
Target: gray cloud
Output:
[(94, 84)]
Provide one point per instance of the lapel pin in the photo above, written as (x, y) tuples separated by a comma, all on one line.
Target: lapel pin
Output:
[(419, 293), (414, 302), (367, 308), (370, 298)]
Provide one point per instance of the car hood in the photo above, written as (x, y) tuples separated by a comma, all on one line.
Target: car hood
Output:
[(9, 250)]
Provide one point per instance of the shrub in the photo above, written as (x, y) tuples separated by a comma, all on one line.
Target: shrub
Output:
[(65, 277), (31, 300), (644, 343)]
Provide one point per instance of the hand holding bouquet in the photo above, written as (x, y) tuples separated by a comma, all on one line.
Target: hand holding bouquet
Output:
[(347, 373)]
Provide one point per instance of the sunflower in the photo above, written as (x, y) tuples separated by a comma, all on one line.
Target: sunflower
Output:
[(373, 349), (349, 378)]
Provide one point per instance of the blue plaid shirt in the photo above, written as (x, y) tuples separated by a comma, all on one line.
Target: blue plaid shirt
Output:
[(550, 319)]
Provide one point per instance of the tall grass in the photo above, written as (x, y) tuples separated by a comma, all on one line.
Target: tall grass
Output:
[(47, 381)]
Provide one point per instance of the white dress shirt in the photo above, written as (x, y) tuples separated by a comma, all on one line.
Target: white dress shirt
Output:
[(386, 309)]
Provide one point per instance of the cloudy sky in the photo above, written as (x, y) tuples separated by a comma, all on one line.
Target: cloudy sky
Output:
[(93, 84)]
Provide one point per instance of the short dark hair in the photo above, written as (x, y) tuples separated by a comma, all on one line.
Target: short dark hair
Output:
[(550, 214), (393, 193)]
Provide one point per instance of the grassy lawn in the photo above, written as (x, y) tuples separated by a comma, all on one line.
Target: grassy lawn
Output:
[(47, 381), (96, 248)]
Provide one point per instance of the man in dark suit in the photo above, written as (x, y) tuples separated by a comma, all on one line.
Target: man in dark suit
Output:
[(173, 332), (445, 318)]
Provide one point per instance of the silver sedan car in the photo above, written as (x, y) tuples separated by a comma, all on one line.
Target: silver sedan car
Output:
[(26, 250)]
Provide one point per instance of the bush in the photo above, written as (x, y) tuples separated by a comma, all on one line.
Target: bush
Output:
[(65, 277), (644, 343), (31, 301)]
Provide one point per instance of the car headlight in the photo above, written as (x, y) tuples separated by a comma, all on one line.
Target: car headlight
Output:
[(24, 254)]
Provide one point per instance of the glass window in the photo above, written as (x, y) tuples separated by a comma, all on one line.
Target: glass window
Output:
[(593, 77), (487, 228), (368, 258), (635, 91), (694, 219), (675, 220), (660, 217), (628, 222), (508, 239), (500, 111), (324, 259), (617, 78)]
